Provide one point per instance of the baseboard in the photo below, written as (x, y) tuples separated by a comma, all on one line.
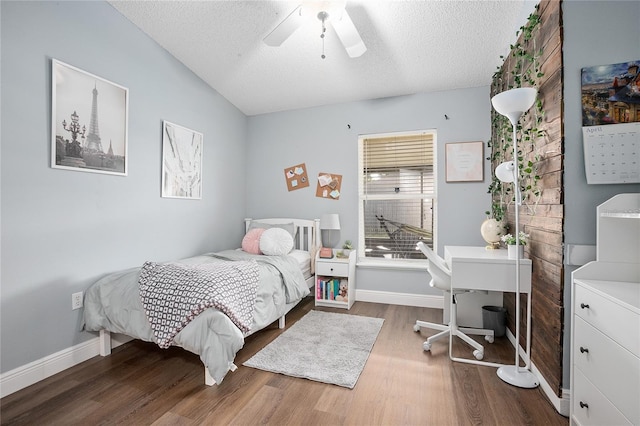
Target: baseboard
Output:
[(29, 374), (561, 404), (404, 299), (26, 375)]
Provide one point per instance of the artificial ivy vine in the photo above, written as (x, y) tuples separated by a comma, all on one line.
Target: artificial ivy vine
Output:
[(526, 72)]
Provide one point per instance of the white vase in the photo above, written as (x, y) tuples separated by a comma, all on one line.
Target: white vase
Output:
[(511, 251)]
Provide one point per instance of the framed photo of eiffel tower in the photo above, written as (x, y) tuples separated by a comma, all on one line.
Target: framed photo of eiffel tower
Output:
[(89, 122)]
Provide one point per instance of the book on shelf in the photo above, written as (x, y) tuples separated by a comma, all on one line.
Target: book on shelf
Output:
[(327, 288)]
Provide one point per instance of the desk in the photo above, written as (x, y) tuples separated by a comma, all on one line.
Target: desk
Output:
[(476, 268)]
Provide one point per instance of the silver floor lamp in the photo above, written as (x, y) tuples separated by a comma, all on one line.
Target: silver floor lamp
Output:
[(512, 104)]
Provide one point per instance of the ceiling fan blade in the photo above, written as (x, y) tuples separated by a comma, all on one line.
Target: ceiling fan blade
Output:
[(348, 35), (285, 28)]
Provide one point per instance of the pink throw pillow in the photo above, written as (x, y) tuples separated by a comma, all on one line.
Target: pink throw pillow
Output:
[(251, 241)]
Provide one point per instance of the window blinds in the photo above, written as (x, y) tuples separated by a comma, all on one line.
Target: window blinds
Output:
[(400, 165)]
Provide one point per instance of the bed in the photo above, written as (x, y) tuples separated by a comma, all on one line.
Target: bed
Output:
[(122, 302)]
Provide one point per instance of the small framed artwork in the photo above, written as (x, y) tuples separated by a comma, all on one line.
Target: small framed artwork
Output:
[(464, 161), (181, 162), (89, 122)]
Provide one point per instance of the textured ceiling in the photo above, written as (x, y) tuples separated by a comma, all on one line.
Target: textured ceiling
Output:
[(412, 47)]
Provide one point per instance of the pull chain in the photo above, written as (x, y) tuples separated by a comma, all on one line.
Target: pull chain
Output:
[(323, 17)]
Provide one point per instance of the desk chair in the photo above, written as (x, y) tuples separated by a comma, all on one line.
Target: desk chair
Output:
[(441, 279)]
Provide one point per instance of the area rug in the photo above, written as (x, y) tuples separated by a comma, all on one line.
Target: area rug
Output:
[(322, 346)]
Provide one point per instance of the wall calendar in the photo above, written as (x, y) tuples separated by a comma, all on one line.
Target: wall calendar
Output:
[(612, 153)]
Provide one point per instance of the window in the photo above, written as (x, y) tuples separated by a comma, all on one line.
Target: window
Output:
[(397, 190)]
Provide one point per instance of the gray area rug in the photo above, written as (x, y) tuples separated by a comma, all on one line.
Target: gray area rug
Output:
[(322, 346)]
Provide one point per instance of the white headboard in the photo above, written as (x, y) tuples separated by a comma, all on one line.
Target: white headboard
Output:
[(306, 231)]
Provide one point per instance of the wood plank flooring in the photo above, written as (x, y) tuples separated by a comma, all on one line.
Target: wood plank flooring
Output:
[(140, 384)]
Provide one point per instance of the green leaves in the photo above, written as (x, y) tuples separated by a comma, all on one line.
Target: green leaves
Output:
[(526, 70)]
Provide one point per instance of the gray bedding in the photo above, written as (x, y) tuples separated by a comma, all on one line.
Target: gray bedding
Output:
[(113, 304)]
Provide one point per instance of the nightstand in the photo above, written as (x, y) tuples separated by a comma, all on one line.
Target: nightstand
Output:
[(335, 282)]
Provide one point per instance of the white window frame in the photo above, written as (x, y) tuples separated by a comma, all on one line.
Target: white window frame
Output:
[(393, 263)]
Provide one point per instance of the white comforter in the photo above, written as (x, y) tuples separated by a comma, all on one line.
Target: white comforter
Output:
[(113, 304)]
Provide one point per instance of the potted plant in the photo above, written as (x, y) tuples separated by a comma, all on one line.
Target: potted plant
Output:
[(346, 249), (510, 241)]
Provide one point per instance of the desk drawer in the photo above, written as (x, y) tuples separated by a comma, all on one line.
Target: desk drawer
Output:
[(615, 321), (611, 368), (333, 269), (599, 411), (491, 276)]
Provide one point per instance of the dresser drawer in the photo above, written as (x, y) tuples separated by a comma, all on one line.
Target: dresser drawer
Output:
[(611, 368), (598, 410), (617, 322), (334, 269)]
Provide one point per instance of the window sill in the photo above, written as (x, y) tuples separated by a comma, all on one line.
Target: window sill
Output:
[(398, 264)]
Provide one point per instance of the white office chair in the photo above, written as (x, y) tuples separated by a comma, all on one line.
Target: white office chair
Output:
[(441, 279)]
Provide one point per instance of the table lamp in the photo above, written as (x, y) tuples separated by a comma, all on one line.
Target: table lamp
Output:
[(330, 229), (512, 104)]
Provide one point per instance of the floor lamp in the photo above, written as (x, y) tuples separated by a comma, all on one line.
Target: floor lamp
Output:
[(512, 104)]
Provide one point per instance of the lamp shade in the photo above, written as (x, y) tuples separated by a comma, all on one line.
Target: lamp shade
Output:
[(504, 172), (330, 221), (513, 103)]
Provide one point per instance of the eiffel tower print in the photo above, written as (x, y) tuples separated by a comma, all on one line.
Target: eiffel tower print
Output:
[(93, 138), (89, 142)]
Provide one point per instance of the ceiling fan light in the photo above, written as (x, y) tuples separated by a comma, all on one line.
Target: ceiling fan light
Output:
[(332, 8)]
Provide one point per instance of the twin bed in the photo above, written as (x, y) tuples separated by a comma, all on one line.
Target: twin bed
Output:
[(255, 290)]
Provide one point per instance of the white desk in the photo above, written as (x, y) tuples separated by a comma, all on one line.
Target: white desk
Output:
[(477, 268)]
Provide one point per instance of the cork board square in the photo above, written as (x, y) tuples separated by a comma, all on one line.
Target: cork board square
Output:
[(296, 177), (329, 186)]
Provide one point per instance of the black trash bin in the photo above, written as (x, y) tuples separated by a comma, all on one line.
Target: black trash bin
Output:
[(494, 318)]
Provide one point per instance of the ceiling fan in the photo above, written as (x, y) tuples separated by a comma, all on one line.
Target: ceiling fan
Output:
[(332, 12)]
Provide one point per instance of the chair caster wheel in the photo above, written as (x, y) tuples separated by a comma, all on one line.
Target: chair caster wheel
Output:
[(416, 328), (479, 355), (489, 338), (426, 346)]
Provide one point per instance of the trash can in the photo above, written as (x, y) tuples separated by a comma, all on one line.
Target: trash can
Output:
[(494, 318)]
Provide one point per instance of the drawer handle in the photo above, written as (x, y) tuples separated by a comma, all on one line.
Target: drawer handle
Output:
[(584, 405), (584, 306), (583, 350)]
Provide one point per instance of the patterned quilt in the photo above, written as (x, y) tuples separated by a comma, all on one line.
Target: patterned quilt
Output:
[(173, 294)]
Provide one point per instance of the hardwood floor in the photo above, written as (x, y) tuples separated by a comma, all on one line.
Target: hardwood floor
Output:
[(141, 384)]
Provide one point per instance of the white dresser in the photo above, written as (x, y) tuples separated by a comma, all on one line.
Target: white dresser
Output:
[(605, 325)]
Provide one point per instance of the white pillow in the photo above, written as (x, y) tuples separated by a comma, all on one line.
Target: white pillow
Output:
[(276, 242)]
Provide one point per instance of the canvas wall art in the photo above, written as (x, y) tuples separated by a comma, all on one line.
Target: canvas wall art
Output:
[(181, 162), (611, 94), (464, 161)]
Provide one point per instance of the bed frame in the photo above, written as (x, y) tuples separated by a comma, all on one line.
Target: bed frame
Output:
[(306, 236)]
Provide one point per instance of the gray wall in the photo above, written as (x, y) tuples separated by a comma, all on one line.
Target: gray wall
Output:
[(61, 230), (595, 33), (321, 138)]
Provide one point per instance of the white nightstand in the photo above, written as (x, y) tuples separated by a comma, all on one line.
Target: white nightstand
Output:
[(334, 278)]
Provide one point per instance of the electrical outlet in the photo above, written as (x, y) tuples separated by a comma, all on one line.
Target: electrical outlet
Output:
[(76, 300)]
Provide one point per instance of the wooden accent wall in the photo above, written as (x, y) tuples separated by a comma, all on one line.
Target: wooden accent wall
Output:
[(545, 225)]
